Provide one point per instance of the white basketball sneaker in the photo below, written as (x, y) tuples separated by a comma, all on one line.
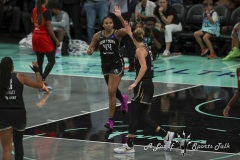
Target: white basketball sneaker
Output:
[(168, 140), (124, 149)]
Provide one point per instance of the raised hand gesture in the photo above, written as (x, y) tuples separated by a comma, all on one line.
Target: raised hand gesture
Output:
[(117, 11)]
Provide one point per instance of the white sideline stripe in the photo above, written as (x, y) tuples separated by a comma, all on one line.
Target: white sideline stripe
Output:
[(230, 66), (176, 90), (171, 57)]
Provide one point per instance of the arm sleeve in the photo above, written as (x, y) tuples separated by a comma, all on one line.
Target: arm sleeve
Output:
[(62, 23)]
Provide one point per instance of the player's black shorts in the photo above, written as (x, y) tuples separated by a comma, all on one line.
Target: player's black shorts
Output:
[(143, 92), (13, 118), (113, 68)]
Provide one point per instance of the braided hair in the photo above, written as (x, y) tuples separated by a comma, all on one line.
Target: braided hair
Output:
[(39, 12), (6, 67)]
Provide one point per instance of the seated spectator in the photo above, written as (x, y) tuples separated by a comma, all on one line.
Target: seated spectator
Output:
[(168, 22), (143, 10), (61, 26), (235, 44), (11, 15), (210, 28)]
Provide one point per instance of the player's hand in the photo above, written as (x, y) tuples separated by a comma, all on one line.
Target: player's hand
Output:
[(117, 11), (90, 50), (57, 43), (225, 111), (130, 88), (160, 9), (127, 27)]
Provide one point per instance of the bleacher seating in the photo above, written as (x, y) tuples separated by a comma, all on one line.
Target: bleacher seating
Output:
[(193, 22)]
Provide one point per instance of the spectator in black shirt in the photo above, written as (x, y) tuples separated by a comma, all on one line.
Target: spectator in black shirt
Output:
[(168, 22)]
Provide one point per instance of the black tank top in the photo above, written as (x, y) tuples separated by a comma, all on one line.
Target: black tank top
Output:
[(109, 48), (149, 73), (13, 98)]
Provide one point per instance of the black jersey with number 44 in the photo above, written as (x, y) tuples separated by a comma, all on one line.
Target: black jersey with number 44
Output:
[(109, 48), (149, 73)]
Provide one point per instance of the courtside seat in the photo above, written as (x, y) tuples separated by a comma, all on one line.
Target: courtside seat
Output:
[(224, 15), (192, 23), (181, 13)]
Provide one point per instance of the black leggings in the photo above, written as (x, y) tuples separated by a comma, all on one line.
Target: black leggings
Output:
[(18, 144), (139, 112), (118, 94), (51, 62)]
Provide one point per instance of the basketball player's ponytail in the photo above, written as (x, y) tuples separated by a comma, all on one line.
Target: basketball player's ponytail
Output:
[(6, 67), (39, 11)]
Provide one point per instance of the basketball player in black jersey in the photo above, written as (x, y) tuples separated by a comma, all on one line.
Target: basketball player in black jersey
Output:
[(235, 96), (12, 109), (108, 40), (143, 89)]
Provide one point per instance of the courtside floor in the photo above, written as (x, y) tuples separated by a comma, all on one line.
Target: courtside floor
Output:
[(190, 94)]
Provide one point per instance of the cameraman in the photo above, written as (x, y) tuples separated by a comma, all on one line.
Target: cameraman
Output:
[(153, 37)]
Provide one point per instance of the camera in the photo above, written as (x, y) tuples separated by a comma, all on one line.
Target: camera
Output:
[(147, 30)]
